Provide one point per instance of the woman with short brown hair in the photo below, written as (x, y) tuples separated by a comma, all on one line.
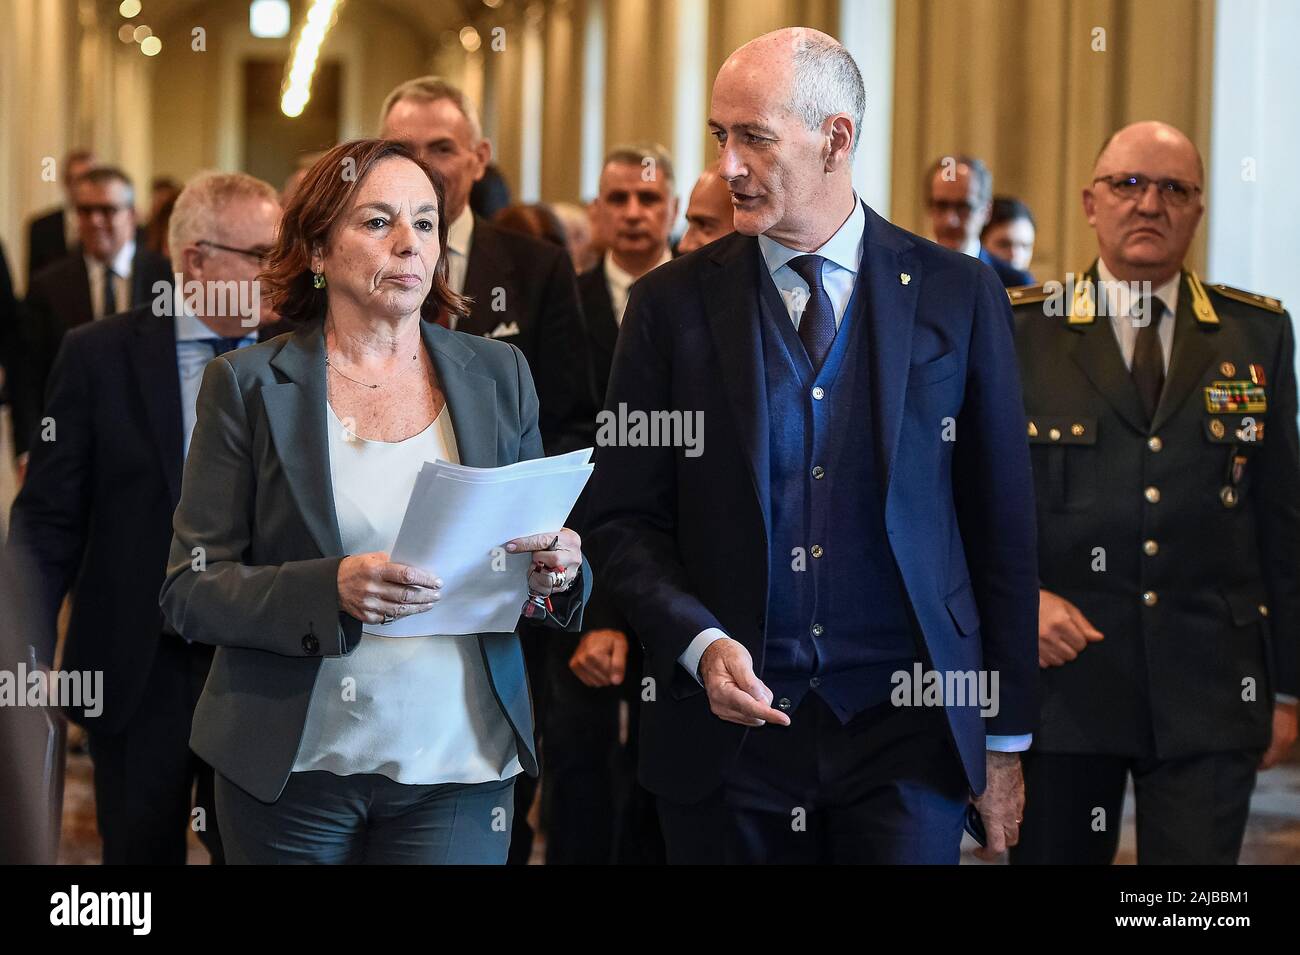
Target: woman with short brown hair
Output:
[(333, 742)]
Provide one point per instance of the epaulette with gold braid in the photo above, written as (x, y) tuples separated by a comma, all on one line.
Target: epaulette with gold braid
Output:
[(1029, 294), (1250, 298)]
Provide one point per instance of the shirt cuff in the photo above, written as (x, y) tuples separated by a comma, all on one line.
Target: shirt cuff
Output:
[(1008, 744), (1284, 698), (690, 657)]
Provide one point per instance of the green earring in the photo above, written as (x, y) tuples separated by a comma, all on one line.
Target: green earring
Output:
[(318, 280)]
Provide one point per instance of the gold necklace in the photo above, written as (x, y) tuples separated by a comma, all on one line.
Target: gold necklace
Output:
[(340, 371)]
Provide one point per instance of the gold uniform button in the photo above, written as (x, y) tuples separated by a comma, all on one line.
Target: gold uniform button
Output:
[(1055, 434), (1149, 598), (1150, 548), (1033, 430), (817, 550), (1216, 428), (1228, 369), (1263, 610), (1076, 429), (1154, 443), (1152, 494)]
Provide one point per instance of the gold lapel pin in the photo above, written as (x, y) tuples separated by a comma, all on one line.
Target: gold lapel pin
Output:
[(904, 277)]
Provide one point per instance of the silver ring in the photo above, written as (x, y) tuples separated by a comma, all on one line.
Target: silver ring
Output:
[(557, 579), (389, 618)]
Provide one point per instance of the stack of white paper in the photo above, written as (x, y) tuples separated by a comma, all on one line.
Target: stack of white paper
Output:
[(456, 526)]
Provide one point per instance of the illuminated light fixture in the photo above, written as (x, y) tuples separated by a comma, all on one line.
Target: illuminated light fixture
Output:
[(129, 8), (296, 89), (141, 33), (151, 46), (126, 33), (492, 4), (470, 39), (268, 19)]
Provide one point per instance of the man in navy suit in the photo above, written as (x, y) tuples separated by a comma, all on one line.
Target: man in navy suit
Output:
[(854, 522), (94, 516), (959, 197)]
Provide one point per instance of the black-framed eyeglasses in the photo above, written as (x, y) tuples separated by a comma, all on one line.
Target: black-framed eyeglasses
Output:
[(959, 207), (106, 209), (260, 254), (1175, 192)]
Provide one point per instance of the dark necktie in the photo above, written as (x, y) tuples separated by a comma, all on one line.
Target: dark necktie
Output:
[(1148, 359), (817, 326), (110, 292), (222, 345)]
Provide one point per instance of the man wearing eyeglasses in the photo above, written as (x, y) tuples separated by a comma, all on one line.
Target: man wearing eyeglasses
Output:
[(959, 198), (1161, 415), (97, 506), (106, 273)]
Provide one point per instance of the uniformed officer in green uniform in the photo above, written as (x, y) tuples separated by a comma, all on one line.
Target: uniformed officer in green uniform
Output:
[(1162, 425)]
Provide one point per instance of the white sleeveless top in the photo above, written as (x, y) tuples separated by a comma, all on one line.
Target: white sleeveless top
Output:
[(418, 710)]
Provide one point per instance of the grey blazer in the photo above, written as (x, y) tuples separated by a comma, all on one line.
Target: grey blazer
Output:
[(254, 558)]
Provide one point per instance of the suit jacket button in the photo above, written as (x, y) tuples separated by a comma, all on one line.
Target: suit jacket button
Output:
[(783, 703), (1149, 598), (311, 644), (1154, 443)]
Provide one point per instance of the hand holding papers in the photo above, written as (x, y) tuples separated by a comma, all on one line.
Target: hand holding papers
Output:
[(456, 525)]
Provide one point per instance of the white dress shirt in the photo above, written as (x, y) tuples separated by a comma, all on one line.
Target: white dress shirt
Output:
[(460, 236), (1123, 297), (619, 282), (121, 265), (193, 352), (420, 710)]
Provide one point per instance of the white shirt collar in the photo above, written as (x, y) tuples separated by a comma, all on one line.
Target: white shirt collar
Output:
[(974, 248), (460, 234), (1120, 295), (619, 277), (844, 248), (121, 263), (191, 328)]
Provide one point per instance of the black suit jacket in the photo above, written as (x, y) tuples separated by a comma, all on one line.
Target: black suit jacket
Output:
[(602, 336), (8, 318), (59, 300), (1222, 578), (46, 242), (95, 514), (525, 293), (602, 327), (682, 542)]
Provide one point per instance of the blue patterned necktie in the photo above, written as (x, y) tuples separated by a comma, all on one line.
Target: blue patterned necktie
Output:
[(817, 326)]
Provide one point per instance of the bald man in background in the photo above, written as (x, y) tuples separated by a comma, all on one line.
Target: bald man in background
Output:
[(1162, 424), (708, 214)]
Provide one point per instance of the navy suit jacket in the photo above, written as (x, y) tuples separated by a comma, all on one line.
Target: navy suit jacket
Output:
[(1008, 274), (681, 543)]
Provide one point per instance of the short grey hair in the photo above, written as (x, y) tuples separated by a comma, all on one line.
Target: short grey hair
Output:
[(980, 175), (429, 89), (102, 176), (826, 80), (203, 202), (635, 154)]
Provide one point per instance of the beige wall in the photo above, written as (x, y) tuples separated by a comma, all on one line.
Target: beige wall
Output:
[(197, 96), (1019, 85)]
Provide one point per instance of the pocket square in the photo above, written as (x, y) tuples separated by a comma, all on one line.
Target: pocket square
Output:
[(503, 330)]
